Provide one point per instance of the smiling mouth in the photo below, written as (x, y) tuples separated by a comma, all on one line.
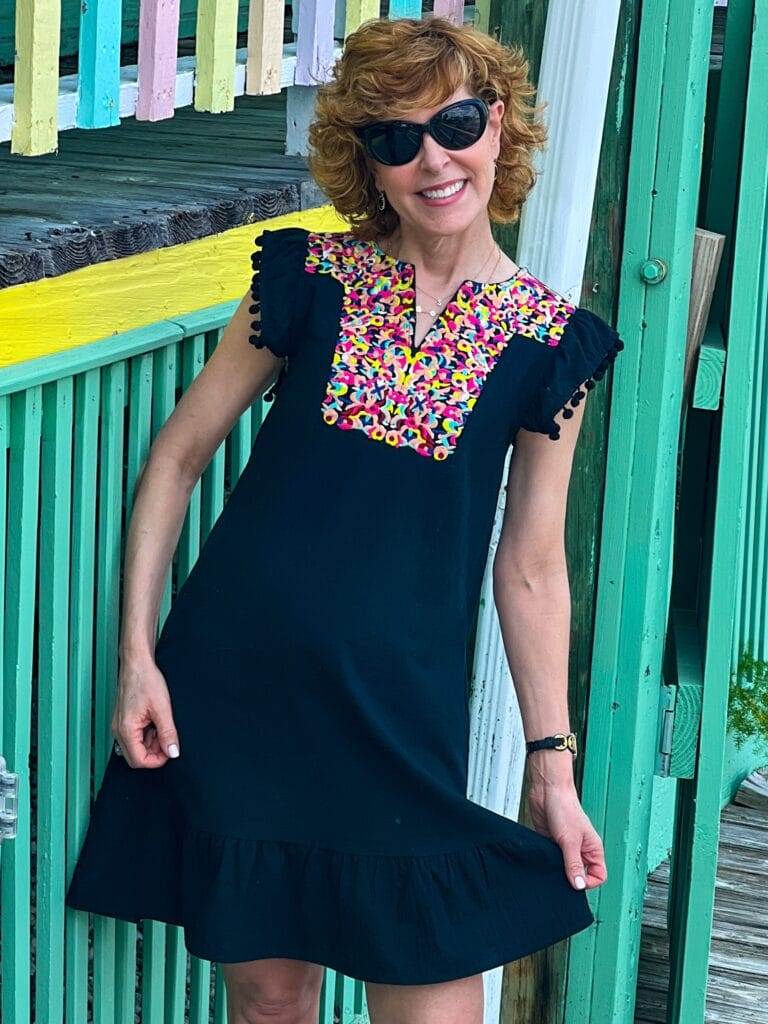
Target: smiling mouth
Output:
[(445, 191)]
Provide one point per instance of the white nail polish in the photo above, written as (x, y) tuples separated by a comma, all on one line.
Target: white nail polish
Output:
[(580, 883), (173, 750)]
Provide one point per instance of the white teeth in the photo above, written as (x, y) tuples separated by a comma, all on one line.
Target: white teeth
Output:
[(441, 193)]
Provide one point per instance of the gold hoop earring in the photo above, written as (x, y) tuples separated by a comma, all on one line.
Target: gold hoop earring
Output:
[(381, 201)]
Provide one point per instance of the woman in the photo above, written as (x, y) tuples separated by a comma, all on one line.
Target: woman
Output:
[(305, 706)]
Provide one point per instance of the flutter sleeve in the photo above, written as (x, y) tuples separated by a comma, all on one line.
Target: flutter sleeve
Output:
[(584, 350), (279, 290)]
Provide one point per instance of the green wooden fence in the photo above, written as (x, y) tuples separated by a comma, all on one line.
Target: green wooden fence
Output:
[(75, 429)]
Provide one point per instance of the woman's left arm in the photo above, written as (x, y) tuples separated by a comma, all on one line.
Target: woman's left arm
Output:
[(532, 596)]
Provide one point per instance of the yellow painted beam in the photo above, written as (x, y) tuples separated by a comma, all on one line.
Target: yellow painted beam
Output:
[(59, 313)]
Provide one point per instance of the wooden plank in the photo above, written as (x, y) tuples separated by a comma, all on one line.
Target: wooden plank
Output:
[(52, 697), (710, 370), (158, 32), (637, 529), (83, 558), (22, 414), (265, 46), (737, 979), (453, 10), (695, 855), (108, 568), (404, 9), (314, 42), (707, 254), (358, 11), (36, 76), (94, 98), (216, 55)]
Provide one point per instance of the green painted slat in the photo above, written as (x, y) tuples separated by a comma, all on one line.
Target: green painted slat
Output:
[(212, 494), (110, 498), (5, 444), (220, 1015), (175, 975), (710, 368), (18, 647), (137, 446), (83, 561), (52, 694), (154, 932), (739, 482), (635, 570)]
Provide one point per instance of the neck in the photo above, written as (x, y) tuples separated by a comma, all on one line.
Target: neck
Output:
[(441, 257)]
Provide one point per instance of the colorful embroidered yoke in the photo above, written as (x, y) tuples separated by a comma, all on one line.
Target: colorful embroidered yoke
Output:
[(317, 655)]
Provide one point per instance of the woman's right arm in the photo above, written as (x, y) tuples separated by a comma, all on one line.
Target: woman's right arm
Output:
[(232, 379)]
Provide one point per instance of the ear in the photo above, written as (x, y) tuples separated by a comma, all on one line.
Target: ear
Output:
[(495, 116)]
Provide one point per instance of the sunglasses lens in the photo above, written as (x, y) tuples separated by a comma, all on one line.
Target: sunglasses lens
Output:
[(460, 126), (393, 143)]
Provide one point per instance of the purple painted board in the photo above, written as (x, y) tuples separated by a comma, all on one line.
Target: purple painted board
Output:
[(314, 43)]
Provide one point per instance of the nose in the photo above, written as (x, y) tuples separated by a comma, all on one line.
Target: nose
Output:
[(432, 155)]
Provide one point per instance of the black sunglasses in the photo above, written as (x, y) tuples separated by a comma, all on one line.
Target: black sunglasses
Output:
[(457, 126)]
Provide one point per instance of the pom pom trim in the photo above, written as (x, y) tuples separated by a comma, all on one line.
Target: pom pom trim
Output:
[(256, 339), (589, 383)]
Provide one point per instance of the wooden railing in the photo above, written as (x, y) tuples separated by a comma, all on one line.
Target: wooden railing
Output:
[(75, 429), (37, 104)]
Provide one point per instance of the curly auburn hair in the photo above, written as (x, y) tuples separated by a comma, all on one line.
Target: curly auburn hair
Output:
[(389, 68)]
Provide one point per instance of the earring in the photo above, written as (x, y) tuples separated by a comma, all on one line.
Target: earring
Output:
[(381, 201), (495, 170)]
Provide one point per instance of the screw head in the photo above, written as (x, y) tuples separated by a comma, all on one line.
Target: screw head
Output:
[(653, 271)]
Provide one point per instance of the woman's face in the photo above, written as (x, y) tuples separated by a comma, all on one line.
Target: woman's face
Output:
[(435, 167)]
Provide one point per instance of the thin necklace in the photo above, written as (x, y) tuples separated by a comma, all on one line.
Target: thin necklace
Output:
[(440, 301), (434, 312)]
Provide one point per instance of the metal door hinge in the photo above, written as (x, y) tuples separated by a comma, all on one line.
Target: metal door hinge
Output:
[(667, 730), (9, 802)]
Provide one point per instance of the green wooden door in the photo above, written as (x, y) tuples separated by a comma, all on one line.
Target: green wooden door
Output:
[(635, 573)]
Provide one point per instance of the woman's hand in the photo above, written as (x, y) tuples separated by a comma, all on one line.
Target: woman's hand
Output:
[(142, 721), (556, 812)]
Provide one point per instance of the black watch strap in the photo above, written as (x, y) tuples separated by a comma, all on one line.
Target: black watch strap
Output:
[(560, 741)]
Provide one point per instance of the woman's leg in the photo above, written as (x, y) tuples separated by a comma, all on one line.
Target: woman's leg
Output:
[(449, 1002), (273, 991)]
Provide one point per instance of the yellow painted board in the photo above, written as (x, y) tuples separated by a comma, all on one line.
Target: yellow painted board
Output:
[(59, 313), (36, 77), (215, 56), (359, 11)]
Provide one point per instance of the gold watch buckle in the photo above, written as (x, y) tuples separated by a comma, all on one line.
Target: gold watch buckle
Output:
[(568, 742)]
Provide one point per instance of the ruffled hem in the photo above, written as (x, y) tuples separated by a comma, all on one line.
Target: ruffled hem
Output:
[(587, 348), (386, 918)]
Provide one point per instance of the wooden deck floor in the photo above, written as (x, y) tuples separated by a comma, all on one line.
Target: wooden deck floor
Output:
[(138, 187), (737, 992)]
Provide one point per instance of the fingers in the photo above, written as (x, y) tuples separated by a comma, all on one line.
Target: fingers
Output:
[(150, 740), (584, 860)]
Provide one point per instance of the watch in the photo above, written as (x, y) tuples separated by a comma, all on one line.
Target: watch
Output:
[(560, 741)]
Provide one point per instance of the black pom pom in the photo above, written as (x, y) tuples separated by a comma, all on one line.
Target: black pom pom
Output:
[(554, 434), (567, 413)]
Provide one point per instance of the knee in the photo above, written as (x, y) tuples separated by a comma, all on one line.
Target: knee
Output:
[(252, 1005)]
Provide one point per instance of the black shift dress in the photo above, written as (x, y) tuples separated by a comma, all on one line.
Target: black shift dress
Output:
[(317, 654)]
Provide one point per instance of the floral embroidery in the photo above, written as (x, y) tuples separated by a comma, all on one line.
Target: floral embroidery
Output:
[(419, 398)]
